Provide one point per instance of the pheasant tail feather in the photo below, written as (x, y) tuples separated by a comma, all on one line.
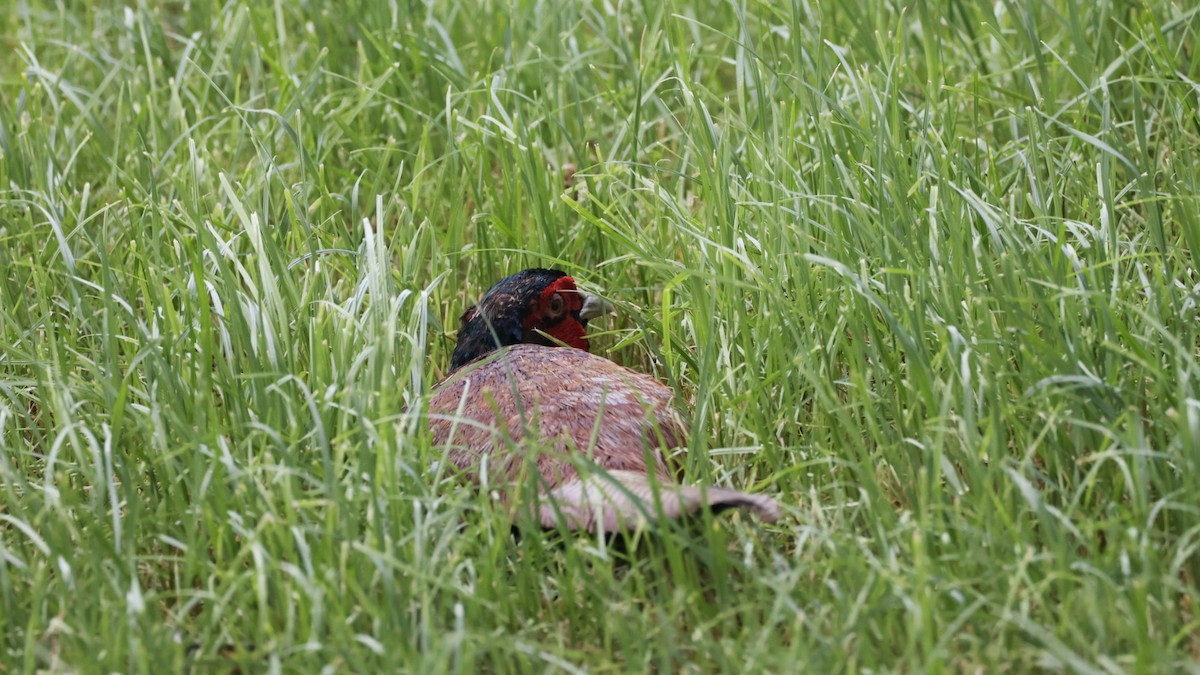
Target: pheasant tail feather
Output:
[(613, 500)]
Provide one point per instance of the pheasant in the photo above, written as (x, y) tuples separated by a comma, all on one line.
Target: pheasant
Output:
[(598, 428)]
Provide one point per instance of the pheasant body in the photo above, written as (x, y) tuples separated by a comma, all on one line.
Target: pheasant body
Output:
[(589, 432)]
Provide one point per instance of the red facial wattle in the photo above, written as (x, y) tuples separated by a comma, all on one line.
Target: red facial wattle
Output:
[(570, 332), (568, 329)]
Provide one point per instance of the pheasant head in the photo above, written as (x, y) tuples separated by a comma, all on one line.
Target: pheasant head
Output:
[(533, 306)]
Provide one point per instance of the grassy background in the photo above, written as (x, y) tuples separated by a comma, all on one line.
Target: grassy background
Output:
[(927, 271)]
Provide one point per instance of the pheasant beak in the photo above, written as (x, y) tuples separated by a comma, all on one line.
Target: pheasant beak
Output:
[(594, 306)]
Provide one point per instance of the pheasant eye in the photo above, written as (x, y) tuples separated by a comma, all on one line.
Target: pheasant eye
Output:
[(557, 305)]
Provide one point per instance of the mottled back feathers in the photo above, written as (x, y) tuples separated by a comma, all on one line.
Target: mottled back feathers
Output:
[(559, 394)]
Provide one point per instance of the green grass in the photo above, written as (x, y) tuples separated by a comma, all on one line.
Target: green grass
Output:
[(926, 271)]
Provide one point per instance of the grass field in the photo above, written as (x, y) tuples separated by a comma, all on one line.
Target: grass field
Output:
[(927, 272)]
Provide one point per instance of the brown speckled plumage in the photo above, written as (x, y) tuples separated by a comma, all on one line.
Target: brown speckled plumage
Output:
[(586, 412)]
